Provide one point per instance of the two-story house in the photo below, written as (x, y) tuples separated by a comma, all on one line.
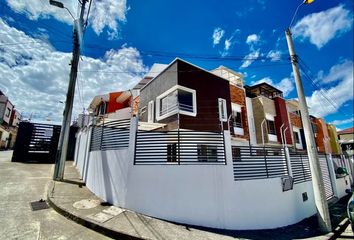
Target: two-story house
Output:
[(184, 96), (271, 121)]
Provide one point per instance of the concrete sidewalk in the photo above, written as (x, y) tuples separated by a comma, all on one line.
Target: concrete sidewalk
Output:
[(73, 200)]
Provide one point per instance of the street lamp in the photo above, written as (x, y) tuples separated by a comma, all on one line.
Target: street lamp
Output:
[(317, 180), (65, 128), (60, 5)]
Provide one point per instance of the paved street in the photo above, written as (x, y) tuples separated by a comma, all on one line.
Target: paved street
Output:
[(20, 184)]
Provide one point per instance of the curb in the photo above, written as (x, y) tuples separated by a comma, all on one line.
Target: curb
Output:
[(339, 229), (91, 225)]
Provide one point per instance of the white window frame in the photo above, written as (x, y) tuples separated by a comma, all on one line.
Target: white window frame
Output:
[(271, 137), (237, 108), (222, 109), (174, 88), (297, 145), (151, 112)]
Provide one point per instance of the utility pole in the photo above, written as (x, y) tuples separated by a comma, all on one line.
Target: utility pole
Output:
[(316, 173), (65, 128)]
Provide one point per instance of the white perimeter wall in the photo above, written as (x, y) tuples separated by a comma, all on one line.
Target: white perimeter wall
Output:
[(204, 195), (342, 184)]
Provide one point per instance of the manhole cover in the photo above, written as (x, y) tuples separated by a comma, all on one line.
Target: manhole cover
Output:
[(86, 204), (39, 205)]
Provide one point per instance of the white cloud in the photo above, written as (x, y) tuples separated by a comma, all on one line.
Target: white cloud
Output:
[(343, 121), (338, 72), (252, 39), (217, 35), (37, 75), (274, 55), (321, 27), (104, 13), (323, 102), (250, 58), (286, 85), (228, 44), (107, 13)]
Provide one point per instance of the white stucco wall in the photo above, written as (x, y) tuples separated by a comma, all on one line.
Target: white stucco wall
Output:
[(342, 184), (250, 118), (204, 195)]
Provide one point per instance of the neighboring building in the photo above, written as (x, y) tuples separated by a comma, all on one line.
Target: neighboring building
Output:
[(15, 118), (6, 108), (155, 70), (321, 135), (346, 140), (115, 105), (269, 113), (185, 96), (333, 139), (296, 124), (9, 120)]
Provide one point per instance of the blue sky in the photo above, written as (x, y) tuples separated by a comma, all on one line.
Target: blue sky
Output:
[(124, 38)]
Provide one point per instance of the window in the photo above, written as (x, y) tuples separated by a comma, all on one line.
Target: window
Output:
[(297, 137), (172, 152), (222, 109), (177, 99), (168, 104), (237, 119), (271, 127), (151, 112), (142, 110), (102, 108), (314, 127), (207, 153), (7, 113)]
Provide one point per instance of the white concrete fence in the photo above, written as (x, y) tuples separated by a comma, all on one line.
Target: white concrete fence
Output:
[(197, 194)]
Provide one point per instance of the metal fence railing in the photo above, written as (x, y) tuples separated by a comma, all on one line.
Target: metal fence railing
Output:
[(300, 166), (326, 175), (258, 162), (179, 147), (112, 135), (339, 161)]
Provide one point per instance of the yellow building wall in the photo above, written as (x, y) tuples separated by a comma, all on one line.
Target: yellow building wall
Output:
[(332, 132)]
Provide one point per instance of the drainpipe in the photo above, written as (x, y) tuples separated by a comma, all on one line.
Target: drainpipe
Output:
[(281, 134), (262, 131), (287, 154), (285, 136)]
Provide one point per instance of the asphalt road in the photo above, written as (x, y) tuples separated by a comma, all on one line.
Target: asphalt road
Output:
[(20, 184)]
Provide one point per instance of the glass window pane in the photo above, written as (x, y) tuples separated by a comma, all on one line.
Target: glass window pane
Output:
[(168, 103), (185, 100), (271, 127)]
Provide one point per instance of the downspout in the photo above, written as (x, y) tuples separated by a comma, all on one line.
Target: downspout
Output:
[(262, 131), (281, 135)]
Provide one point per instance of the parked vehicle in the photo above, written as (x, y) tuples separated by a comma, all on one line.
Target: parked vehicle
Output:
[(350, 211)]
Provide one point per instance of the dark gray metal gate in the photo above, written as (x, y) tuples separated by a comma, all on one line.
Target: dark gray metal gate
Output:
[(36, 142)]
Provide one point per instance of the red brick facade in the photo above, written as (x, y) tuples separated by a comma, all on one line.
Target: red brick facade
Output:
[(282, 119), (238, 96), (295, 120)]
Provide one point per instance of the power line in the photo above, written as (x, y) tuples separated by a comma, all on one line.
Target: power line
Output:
[(323, 93)]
